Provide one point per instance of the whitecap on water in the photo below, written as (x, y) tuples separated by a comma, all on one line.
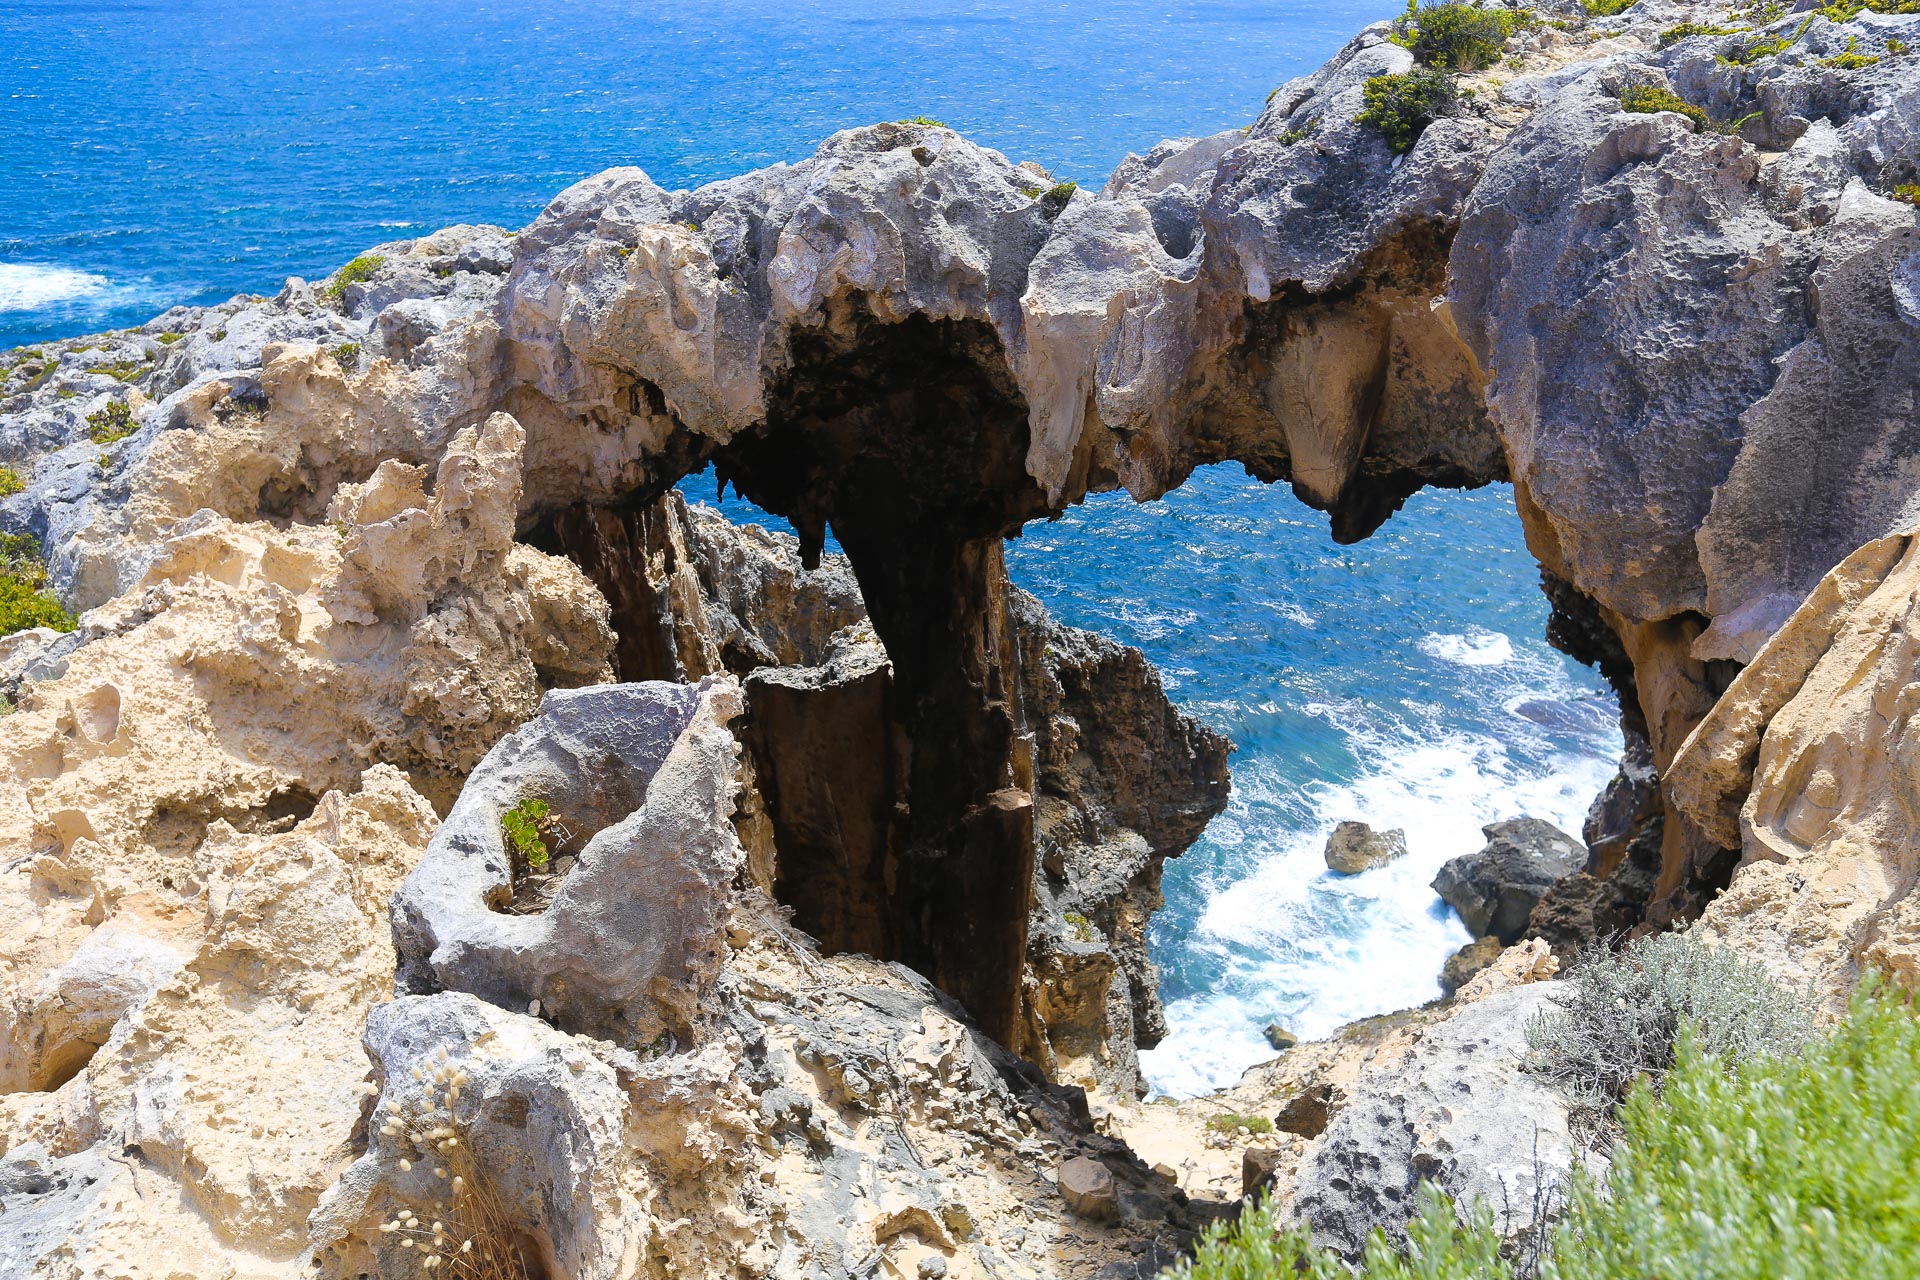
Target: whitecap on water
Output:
[(29, 286), (1289, 941), (1475, 649)]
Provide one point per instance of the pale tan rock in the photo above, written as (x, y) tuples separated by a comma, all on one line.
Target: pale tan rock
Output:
[(1813, 747)]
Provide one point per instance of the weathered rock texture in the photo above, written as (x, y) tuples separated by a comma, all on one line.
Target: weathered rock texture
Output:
[(1456, 1111), (1355, 847), (312, 591)]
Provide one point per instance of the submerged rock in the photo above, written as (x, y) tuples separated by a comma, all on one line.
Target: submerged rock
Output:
[(1355, 847), (1496, 889)]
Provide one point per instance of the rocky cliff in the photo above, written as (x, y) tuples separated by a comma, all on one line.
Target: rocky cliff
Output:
[(339, 547)]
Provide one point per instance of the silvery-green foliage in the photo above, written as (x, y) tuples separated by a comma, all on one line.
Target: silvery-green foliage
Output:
[(1620, 1015)]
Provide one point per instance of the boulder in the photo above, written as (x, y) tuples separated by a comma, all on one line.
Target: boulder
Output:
[(1496, 889), (1307, 1111), (1355, 847), (1280, 1038), (1257, 1167), (1457, 1111), (1469, 960), (1089, 1189), (644, 777)]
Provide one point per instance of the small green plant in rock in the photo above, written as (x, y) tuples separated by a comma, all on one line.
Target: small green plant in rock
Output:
[(1910, 193), (1455, 36), (925, 120), (1080, 927), (1231, 1121), (24, 600), (168, 338), (359, 271), (10, 481), (1650, 99), (1402, 106), (1688, 30), (347, 355), (522, 827), (1849, 61), (115, 422), (1606, 8)]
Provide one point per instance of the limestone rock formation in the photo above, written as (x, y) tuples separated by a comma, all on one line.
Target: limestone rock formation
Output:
[(1496, 889), (359, 531), (1805, 765), (1456, 1111), (1355, 847)]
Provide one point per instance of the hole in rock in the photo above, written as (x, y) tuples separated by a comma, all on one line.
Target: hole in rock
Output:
[(62, 1063), (1403, 681)]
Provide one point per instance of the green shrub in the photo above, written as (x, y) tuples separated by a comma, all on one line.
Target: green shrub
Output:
[(1080, 927), (1650, 99), (1606, 8), (10, 481), (926, 120), (359, 271), (347, 354), (1779, 1166), (115, 422), (168, 338), (1402, 106), (521, 824), (1909, 193), (1453, 35), (1619, 1017), (1786, 1166), (1229, 1121), (24, 600)]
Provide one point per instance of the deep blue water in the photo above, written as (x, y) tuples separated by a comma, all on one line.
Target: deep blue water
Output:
[(155, 153)]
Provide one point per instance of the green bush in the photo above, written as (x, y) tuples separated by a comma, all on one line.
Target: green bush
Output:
[(1455, 36), (1650, 99), (1782, 1166), (10, 481), (925, 120), (1619, 1017), (24, 600), (1850, 61), (1909, 193), (1606, 8), (347, 355), (359, 271), (1402, 106), (115, 422)]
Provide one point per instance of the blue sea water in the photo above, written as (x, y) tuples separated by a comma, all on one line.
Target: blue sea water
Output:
[(153, 153)]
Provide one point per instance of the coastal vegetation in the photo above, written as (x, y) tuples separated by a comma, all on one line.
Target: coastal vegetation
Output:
[(111, 424), (358, 271), (1456, 36), (10, 481), (1402, 106), (1765, 1149), (24, 600), (1650, 99), (521, 825)]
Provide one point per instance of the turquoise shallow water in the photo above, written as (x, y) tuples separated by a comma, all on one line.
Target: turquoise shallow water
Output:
[(154, 153)]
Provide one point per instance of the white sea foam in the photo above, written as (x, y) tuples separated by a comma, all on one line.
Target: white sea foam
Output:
[(1293, 942), (28, 286), (1475, 649)]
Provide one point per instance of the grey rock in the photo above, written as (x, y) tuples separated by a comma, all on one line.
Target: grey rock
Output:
[(644, 775), (1355, 847), (1279, 1037), (1467, 961), (1457, 1112), (1496, 889)]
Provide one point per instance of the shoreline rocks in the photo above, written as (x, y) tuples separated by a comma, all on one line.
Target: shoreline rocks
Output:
[(1496, 889), (1355, 847)]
